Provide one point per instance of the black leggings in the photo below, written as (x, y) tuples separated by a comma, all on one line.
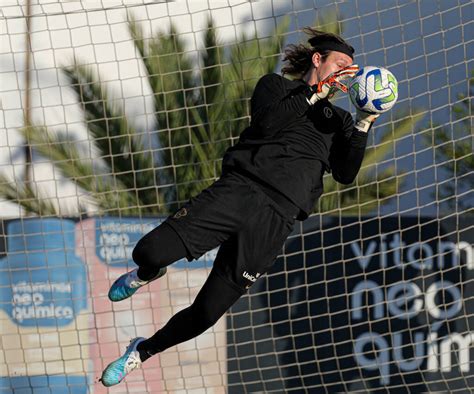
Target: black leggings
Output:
[(157, 249), (160, 248)]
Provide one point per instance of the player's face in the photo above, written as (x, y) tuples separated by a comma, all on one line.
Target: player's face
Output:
[(334, 62)]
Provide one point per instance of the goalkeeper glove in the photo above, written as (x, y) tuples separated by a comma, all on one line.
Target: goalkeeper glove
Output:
[(365, 120), (329, 86)]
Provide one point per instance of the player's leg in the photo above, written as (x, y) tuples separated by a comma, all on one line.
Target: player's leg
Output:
[(241, 260), (212, 302), (158, 249), (153, 253), (259, 242), (215, 297)]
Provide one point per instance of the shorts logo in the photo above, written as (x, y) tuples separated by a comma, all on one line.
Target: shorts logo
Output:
[(182, 212), (327, 112), (250, 277)]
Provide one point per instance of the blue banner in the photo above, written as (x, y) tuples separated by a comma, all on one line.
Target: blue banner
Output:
[(116, 237), (43, 283)]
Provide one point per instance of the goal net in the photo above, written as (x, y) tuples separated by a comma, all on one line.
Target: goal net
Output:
[(114, 113)]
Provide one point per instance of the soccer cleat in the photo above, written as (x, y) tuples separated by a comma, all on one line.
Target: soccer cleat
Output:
[(127, 284), (118, 369)]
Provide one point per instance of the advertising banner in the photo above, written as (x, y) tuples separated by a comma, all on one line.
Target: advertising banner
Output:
[(58, 328), (359, 305), (43, 308)]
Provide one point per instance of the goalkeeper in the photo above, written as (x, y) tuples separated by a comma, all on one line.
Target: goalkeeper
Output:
[(270, 178)]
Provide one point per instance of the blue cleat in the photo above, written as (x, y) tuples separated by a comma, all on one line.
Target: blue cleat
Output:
[(118, 369), (127, 284)]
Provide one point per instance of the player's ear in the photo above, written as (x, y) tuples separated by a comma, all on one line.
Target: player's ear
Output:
[(316, 59)]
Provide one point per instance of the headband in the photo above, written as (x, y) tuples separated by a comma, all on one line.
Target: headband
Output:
[(332, 46)]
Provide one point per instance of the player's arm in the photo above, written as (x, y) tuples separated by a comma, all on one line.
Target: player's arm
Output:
[(273, 108), (348, 149)]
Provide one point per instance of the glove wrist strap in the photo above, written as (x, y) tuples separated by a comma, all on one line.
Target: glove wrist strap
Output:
[(363, 125)]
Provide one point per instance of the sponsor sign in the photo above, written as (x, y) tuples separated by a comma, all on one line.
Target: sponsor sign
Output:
[(43, 307), (58, 328), (369, 304)]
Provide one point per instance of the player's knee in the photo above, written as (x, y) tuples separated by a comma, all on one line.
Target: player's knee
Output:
[(138, 254), (144, 256)]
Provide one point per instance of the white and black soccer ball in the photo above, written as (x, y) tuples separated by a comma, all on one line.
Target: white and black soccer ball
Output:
[(374, 89)]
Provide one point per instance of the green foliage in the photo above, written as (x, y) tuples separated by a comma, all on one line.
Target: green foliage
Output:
[(25, 195)]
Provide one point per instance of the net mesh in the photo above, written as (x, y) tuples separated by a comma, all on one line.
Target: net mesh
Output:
[(114, 113)]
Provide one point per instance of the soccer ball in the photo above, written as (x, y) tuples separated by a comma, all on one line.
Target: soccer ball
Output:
[(373, 89)]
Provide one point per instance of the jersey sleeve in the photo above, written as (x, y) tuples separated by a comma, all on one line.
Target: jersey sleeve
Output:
[(347, 152), (273, 107)]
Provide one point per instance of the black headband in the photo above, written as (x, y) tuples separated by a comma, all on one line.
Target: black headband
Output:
[(332, 46)]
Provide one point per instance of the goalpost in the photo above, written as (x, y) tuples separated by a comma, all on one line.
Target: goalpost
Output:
[(114, 113)]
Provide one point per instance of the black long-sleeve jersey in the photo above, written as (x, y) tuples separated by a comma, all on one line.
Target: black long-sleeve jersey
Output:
[(288, 139)]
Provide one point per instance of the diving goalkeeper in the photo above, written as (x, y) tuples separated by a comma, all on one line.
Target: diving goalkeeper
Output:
[(270, 178)]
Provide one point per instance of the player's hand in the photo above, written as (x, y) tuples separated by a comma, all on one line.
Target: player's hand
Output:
[(328, 87), (365, 120)]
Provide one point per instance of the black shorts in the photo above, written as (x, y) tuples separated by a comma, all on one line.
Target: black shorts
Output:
[(236, 214)]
